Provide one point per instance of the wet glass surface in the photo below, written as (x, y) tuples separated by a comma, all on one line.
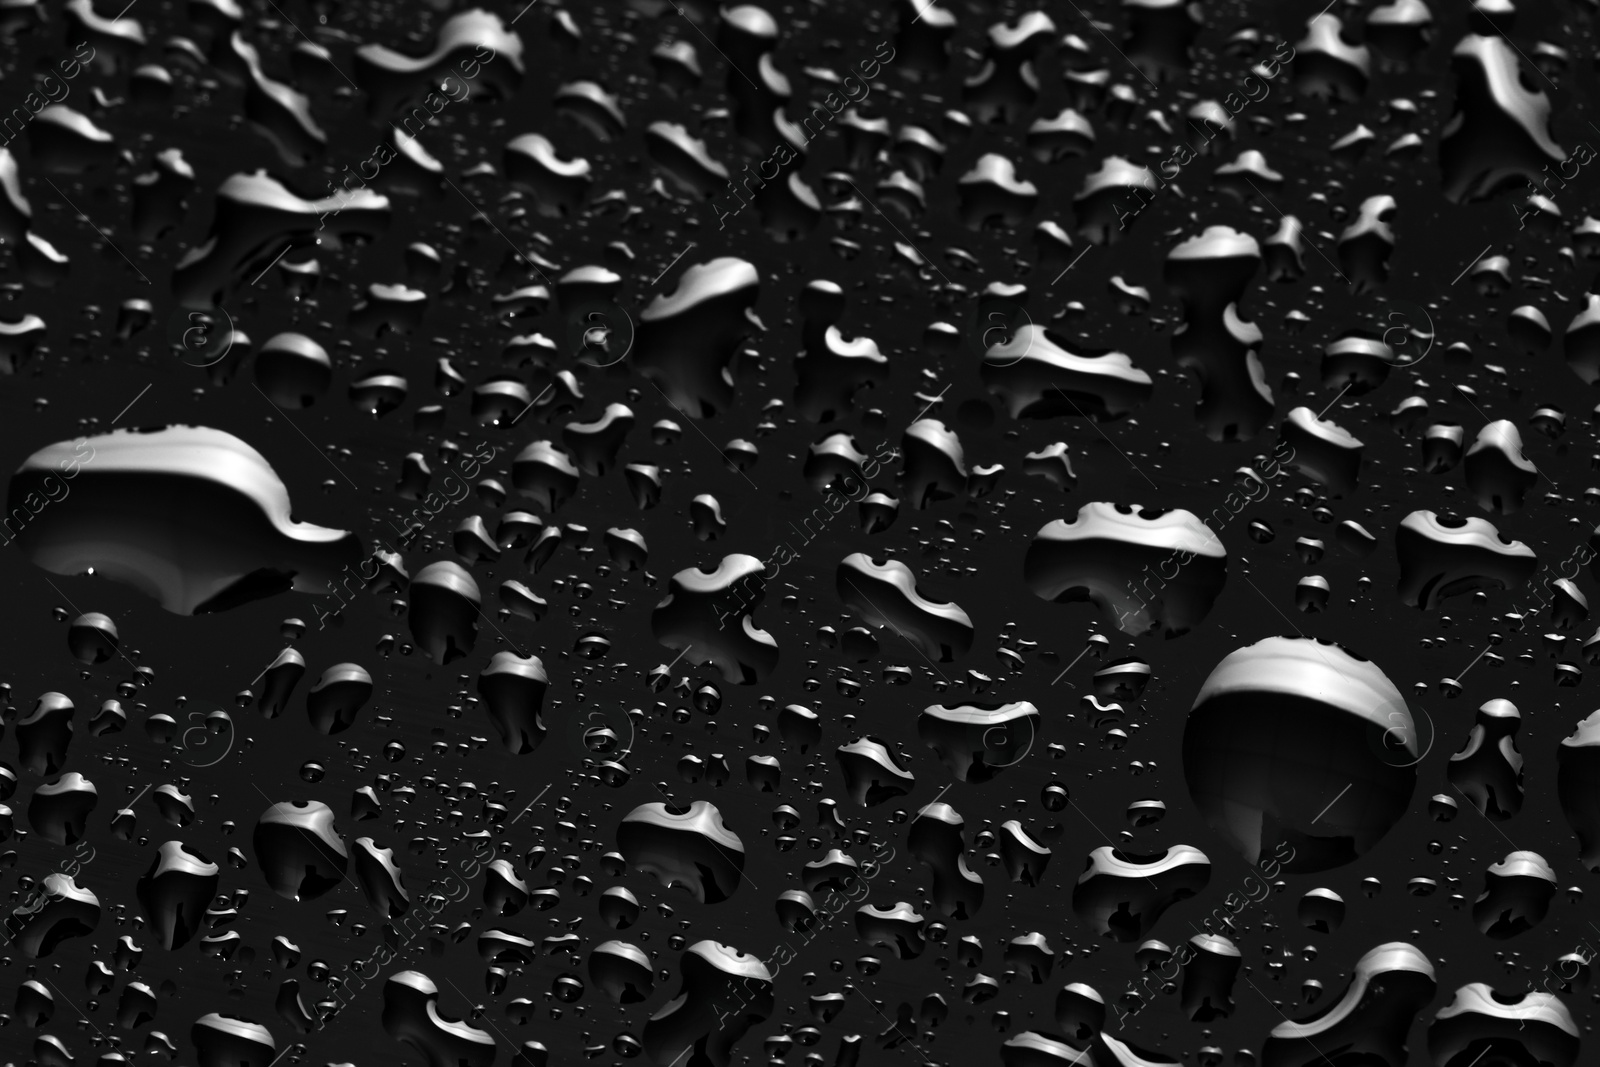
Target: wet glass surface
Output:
[(823, 534)]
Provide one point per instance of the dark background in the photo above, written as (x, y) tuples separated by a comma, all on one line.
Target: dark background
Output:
[(966, 552)]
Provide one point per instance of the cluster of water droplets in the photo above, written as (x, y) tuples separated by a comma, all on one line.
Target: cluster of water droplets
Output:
[(797, 472)]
